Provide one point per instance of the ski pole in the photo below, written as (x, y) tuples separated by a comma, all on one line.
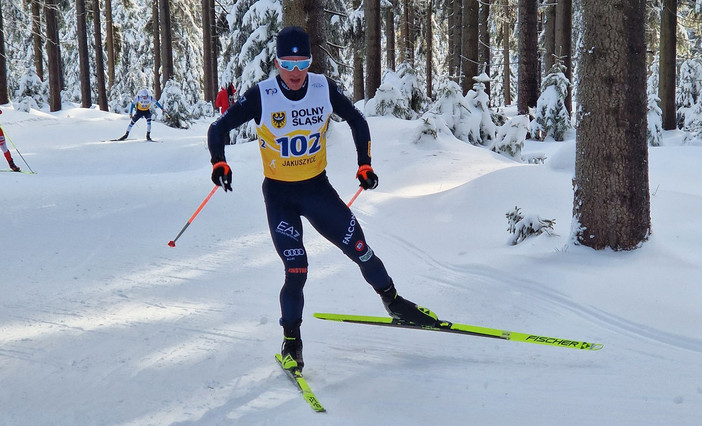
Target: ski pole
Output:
[(172, 243), (355, 196), (18, 151)]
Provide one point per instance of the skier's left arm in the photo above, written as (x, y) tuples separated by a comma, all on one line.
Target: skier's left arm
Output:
[(360, 131), (162, 108)]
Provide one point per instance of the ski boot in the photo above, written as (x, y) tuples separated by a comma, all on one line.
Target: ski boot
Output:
[(404, 310), (124, 137), (11, 163), (291, 350), (148, 136)]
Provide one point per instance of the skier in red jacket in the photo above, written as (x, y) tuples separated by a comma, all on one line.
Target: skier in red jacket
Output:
[(6, 151), (225, 98)]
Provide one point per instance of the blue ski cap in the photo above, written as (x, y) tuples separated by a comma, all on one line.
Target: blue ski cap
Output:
[(293, 41)]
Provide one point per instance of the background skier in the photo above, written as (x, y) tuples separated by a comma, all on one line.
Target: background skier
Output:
[(142, 102), (225, 97), (6, 152), (292, 113)]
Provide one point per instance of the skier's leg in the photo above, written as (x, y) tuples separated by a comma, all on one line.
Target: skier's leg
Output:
[(334, 220), (285, 226), (148, 125), (6, 152)]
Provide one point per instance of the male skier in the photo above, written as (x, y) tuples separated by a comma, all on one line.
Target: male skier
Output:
[(292, 113)]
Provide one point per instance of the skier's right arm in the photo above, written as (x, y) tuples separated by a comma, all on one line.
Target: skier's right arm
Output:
[(246, 108)]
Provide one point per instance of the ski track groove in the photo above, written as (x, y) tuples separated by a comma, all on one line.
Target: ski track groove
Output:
[(545, 296)]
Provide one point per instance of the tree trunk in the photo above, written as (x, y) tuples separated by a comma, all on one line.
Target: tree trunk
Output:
[(666, 82), (99, 57), (36, 39), (109, 44), (157, 48), (207, 51), (564, 44), (506, 76), (611, 203), (214, 42), (430, 48), (484, 40), (166, 40), (83, 61), (469, 41), (315, 27), (4, 98), (390, 34), (455, 39), (308, 14), (358, 40), (373, 54), (528, 70), (549, 24), (294, 13), (54, 55)]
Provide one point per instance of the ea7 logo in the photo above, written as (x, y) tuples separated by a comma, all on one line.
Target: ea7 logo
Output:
[(287, 230), (278, 119)]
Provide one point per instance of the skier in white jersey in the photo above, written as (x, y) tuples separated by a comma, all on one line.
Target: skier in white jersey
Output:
[(292, 113), (142, 102)]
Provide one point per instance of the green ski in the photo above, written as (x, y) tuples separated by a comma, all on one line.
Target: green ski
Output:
[(290, 367), (472, 330)]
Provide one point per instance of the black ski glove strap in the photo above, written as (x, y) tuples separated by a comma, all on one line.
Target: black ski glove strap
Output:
[(222, 175)]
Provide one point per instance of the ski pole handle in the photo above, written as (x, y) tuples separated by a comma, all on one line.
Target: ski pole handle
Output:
[(172, 242), (355, 196)]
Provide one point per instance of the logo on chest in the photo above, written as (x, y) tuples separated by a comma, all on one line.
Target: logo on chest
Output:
[(278, 119)]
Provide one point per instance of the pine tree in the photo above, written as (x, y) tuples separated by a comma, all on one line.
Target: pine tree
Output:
[(551, 116), (178, 107), (510, 137), (250, 57), (483, 129), (654, 116), (689, 90)]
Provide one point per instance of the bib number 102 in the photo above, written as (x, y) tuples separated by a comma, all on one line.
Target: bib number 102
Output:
[(299, 145)]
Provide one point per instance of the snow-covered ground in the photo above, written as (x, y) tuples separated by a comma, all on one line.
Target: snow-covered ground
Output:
[(101, 323)]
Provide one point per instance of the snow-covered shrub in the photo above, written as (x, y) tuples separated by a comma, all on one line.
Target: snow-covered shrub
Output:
[(654, 117), (410, 87), (176, 106), (388, 100), (482, 131), (451, 107), (32, 92), (398, 95), (511, 136), (551, 117), (654, 131), (688, 91), (522, 227), (202, 109), (432, 126)]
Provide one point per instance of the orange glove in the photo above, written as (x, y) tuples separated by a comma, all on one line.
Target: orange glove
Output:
[(367, 177), (222, 175)]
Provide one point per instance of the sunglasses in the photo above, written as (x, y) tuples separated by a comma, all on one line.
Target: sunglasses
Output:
[(290, 65)]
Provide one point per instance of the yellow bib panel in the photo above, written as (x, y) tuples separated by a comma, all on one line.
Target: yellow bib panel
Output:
[(292, 134)]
